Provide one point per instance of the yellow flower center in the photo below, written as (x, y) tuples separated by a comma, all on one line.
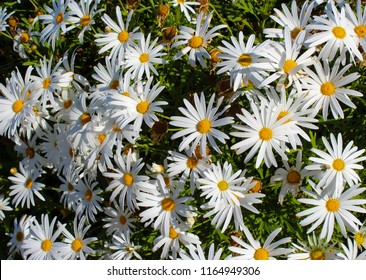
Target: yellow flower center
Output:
[(46, 245), (180, 1), (123, 36), (317, 255), (101, 138), (67, 104), (122, 219), (85, 118), (18, 106), (70, 187), (261, 254), (360, 31), (245, 60), (265, 134), (338, 164), (293, 177), (283, 114), (24, 37), (339, 32), (30, 152), (144, 57), (28, 183), (19, 236), (88, 195), (114, 84), (46, 83), (168, 204), (360, 238), (128, 179), (173, 233), (125, 93), (222, 185), (295, 32), (191, 162), (332, 205), (327, 89), (257, 187), (204, 126), (142, 107), (289, 65), (76, 245), (116, 128), (195, 42), (85, 20), (59, 18)]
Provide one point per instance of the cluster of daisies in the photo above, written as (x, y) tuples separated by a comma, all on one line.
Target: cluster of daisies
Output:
[(86, 133)]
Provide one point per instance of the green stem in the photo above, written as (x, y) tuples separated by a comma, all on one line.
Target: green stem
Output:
[(222, 19)]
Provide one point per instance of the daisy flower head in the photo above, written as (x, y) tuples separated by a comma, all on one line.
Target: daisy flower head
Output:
[(58, 21), (76, 245), (171, 243), (196, 252), (196, 40), (243, 61), (360, 236), (340, 163), (118, 219), (23, 39), (255, 251), (88, 199), (42, 243), (331, 207), (326, 88), (69, 179), (124, 248), (358, 22), (4, 206), (25, 187), (262, 132), (21, 232), (185, 7), (15, 108), (314, 249), (3, 18), (336, 31), (350, 251), (295, 20), (140, 57), (126, 181), (200, 123), (165, 207), (120, 38), (85, 14), (291, 177), (140, 106), (188, 166)]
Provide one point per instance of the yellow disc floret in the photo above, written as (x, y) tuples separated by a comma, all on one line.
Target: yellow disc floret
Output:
[(289, 65), (18, 106), (261, 254), (46, 245), (195, 42), (339, 32), (77, 245), (327, 89), (265, 134), (223, 185), (204, 126), (332, 205), (168, 204), (128, 179), (123, 36), (142, 107), (338, 164), (245, 60)]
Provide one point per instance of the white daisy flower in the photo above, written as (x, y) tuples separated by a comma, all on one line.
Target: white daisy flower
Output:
[(126, 181), (69, 178), (25, 187), (336, 32), (107, 77), (196, 252), (165, 207), (196, 40), (118, 219), (243, 61), (314, 249), (119, 39), (339, 163), (201, 123), (255, 251), (262, 131), (124, 248), (358, 22), (326, 88), (141, 57), (172, 241), (185, 7), (4, 206), (42, 244), (360, 236), (331, 207), (76, 245), (295, 20), (21, 232), (58, 21), (351, 252), (85, 14)]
